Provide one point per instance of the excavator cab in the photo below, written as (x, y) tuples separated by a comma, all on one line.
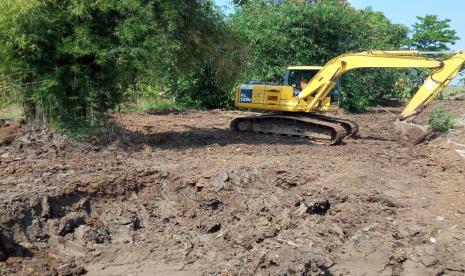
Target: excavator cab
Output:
[(296, 75)]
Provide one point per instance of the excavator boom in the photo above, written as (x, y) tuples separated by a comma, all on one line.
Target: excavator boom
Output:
[(444, 72)]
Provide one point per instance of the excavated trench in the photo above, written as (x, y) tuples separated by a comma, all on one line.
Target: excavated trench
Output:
[(204, 225)]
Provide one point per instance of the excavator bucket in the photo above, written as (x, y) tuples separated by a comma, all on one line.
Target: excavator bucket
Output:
[(412, 133)]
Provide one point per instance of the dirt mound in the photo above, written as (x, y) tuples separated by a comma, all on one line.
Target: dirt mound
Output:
[(178, 194), (9, 130)]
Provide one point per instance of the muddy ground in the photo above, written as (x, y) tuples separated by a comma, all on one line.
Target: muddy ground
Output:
[(180, 194)]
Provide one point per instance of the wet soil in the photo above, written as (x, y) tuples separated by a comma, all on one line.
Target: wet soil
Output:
[(178, 193)]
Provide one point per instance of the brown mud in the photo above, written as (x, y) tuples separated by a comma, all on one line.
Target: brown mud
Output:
[(178, 193)]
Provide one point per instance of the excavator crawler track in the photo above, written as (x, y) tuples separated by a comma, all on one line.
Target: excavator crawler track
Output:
[(318, 131), (350, 126)]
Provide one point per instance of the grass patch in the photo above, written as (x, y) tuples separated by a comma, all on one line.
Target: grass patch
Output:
[(77, 129), (145, 105), (81, 129), (452, 91), (11, 111)]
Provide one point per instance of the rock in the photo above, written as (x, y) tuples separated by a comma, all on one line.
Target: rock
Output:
[(301, 210), (461, 211), (455, 266), (10, 170), (70, 222), (414, 229), (70, 268), (412, 133), (289, 261), (122, 235), (88, 234), (81, 231), (407, 230), (79, 270), (46, 210), (428, 260), (65, 269), (338, 230), (84, 205), (219, 181), (460, 97), (427, 254), (125, 219)]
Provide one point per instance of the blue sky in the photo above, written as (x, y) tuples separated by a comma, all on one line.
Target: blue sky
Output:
[(405, 12)]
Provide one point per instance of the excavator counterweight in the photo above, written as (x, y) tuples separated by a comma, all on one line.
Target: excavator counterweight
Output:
[(308, 92)]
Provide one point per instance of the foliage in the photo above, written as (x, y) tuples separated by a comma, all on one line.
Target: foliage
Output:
[(204, 89), (10, 111), (77, 129), (87, 54), (432, 34), (403, 89), (211, 82), (240, 2), (298, 33), (441, 118)]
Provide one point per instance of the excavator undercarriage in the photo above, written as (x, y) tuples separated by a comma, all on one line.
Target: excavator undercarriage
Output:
[(319, 128)]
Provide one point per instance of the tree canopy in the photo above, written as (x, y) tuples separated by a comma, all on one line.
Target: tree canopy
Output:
[(298, 33), (432, 34)]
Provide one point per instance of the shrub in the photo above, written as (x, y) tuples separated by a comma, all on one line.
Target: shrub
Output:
[(441, 118), (204, 89)]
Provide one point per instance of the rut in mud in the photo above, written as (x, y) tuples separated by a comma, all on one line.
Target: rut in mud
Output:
[(178, 194)]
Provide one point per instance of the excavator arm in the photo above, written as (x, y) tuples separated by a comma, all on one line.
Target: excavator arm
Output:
[(444, 72), (433, 86)]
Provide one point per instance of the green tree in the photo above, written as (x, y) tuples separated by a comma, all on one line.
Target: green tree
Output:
[(302, 33), (86, 54), (432, 34)]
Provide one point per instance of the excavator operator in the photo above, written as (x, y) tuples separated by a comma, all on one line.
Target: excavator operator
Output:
[(303, 84)]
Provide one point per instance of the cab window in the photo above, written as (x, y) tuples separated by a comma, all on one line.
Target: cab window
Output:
[(297, 77)]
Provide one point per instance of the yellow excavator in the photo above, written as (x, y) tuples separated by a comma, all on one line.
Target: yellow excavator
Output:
[(302, 104)]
